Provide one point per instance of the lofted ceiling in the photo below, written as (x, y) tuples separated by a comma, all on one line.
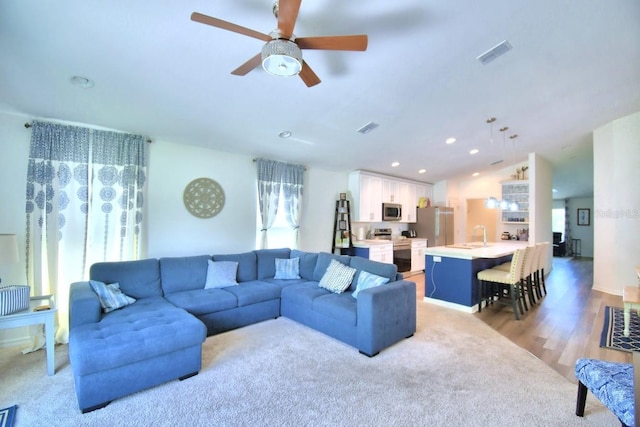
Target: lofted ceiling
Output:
[(573, 67)]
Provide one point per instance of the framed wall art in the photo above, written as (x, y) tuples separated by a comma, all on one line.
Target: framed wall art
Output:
[(584, 216)]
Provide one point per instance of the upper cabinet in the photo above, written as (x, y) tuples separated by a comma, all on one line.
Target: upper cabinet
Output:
[(518, 192), (409, 201), (366, 191), (370, 190), (390, 191)]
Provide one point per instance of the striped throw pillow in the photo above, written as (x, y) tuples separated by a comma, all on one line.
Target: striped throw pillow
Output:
[(110, 296), (287, 268), (337, 278)]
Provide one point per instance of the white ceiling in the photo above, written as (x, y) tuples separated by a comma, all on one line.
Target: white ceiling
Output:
[(574, 66)]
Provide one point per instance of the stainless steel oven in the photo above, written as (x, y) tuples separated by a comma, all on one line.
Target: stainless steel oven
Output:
[(402, 255), (401, 249)]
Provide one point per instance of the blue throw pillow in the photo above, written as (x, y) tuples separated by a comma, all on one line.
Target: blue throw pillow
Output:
[(368, 280), (337, 278), (110, 296), (288, 268), (221, 274)]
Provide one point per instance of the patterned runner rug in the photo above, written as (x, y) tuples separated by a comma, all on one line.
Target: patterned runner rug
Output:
[(612, 332), (7, 416)]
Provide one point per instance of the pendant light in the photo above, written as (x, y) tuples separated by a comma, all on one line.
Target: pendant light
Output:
[(491, 202)]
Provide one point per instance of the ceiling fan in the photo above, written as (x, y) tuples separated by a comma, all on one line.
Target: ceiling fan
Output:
[(282, 55)]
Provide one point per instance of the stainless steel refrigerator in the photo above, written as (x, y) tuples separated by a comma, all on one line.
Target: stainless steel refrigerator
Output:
[(436, 225)]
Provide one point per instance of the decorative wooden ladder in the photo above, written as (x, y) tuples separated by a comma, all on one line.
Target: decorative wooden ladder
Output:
[(342, 242)]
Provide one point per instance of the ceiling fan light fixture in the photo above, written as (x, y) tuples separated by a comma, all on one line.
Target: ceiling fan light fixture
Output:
[(282, 57)]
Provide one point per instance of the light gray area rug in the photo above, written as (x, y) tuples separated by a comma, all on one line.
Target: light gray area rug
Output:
[(454, 371)]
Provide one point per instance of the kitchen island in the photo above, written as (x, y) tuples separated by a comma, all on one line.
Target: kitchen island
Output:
[(451, 271)]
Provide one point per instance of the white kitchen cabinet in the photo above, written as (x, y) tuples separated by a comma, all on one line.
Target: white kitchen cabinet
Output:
[(370, 190), (409, 201), (390, 191), (424, 190), (381, 253), (366, 191), (417, 254)]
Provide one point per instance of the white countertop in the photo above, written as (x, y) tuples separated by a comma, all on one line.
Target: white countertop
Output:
[(373, 242), (493, 250)]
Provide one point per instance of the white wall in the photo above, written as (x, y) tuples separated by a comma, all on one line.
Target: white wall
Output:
[(173, 231), (616, 202), (541, 202), (582, 232), (321, 190)]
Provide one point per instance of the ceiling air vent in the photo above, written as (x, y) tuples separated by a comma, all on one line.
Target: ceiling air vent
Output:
[(497, 162), (499, 49), (367, 128)]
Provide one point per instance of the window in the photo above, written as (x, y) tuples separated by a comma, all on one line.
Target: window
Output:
[(557, 220), (280, 235)]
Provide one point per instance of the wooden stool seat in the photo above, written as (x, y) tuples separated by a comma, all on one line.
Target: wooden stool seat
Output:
[(631, 299)]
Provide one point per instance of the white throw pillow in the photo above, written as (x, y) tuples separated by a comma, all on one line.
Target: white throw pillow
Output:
[(367, 280), (221, 274), (337, 278)]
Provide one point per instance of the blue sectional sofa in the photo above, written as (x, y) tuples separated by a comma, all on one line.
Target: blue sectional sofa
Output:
[(159, 337)]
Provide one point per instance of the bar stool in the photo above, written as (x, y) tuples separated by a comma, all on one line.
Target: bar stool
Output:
[(527, 272), (542, 264), (495, 282)]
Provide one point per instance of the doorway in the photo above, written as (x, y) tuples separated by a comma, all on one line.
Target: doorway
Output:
[(479, 214)]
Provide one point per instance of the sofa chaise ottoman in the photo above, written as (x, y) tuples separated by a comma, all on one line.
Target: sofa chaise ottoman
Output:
[(142, 345)]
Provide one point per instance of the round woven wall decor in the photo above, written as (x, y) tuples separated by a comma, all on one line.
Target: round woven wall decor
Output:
[(203, 198)]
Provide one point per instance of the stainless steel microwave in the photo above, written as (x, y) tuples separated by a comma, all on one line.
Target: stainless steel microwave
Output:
[(391, 212)]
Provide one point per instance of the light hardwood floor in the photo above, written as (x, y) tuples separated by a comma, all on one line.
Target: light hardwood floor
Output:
[(565, 325)]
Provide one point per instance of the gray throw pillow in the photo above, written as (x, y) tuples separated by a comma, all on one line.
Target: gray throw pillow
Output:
[(221, 274)]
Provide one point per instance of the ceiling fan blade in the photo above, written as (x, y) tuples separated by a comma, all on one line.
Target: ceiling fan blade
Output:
[(307, 75), (248, 66), (219, 23), (353, 42), (287, 16)]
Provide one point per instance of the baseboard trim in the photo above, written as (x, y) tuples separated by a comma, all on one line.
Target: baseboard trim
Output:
[(15, 342), (451, 305)]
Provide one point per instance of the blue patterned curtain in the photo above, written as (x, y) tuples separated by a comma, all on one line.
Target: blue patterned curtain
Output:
[(275, 177), (269, 181), (84, 204), (567, 229), (292, 186)]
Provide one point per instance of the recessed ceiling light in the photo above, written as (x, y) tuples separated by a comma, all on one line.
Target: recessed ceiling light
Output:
[(422, 171), (476, 174), (450, 140), (554, 190), (81, 81), (395, 164), (474, 151), (285, 134)]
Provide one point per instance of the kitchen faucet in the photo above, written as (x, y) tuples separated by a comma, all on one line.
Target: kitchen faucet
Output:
[(484, 234)]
